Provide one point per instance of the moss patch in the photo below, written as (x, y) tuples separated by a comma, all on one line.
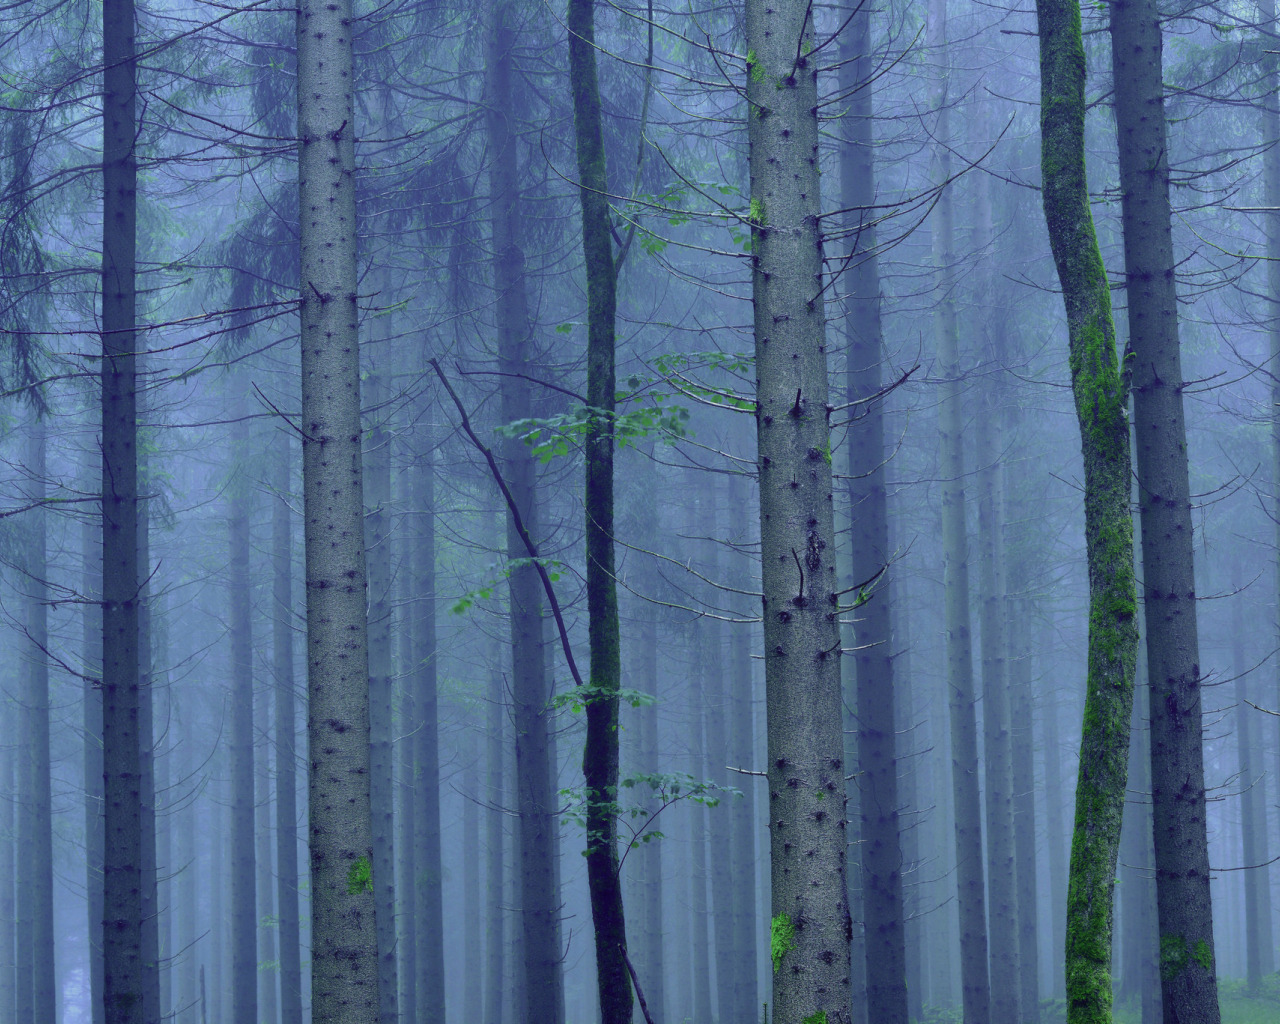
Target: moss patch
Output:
[(782, 939)]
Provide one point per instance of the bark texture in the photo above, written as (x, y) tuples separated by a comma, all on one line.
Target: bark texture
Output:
[(1101, 408), (1189, 984), (810, 926), (344, 978), (123, 972)]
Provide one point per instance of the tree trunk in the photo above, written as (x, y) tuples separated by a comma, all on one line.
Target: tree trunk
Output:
[(495, 843), (810, 923), (530, 690), (244, 897), (971, 891), (883, 920), (286, 758), (91, 694), (268, 933), (124, 972), (600, 752), (1187, 968), (1101, 408), (344, 953), (406, 809), (377, 526), (428, 893), (1021, 720), (473, 916), (8, 864)]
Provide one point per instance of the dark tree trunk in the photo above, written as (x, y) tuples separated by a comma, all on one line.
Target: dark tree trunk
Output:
[(883, 920), (530, 690), (600, 753), (1187, 962), (124, 972)]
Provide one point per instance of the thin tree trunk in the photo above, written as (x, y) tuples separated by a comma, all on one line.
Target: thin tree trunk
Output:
[(1101, 408), (970, 885), (1021, 720), (810, 923), (124, 972), (1055, 832), (91, 695), (600, 752), (268, 953), (407, 807), (530, 691), (883, 919), (1187, 963), (473, 916), (286, 759), (377, 526), (344, 953), (244, 897), (428, 894), (495, 844), (8, 863)]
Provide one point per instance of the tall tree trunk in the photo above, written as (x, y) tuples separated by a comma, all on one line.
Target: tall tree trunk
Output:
[(970, 885), (1055, 832), (530, 690), (91, 694), (8, 864), (810, 923), (1187, 968), (428, 893), (473, 917), (1253, 812), (244, 897), (377, 526), (286, 732), (883, 919), (742, 755), (600, 752), (1021, 720), (344, 952), (151, 1009), (495, 843), (407, 806), (1101, 408), (264, 863), (124, 972)]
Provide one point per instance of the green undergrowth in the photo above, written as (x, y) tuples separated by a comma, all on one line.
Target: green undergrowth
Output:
[(1238, 1007)]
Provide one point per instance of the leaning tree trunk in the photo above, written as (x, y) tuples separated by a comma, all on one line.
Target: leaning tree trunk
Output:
[(1189, 984), (600, 751), (970, 886), (344, 950), (810, 923), (1101, 407), (884, 920), (124, 972)]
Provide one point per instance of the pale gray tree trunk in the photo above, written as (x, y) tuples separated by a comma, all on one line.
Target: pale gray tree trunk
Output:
[(91, 694), (428, 905), (407, 792), (8, 863), (810, 923), (344, 952), (244, 896), (473, 917), (377, 526), (286, 735), (970, 886), (495, 842), (1188, 969), (264, 862)]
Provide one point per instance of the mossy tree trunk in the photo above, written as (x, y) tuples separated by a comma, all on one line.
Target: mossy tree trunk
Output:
[(1189, 985), (1101, 407), (810, 922)]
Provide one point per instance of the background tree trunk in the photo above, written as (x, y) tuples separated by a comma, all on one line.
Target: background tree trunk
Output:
[(1188, 969)]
